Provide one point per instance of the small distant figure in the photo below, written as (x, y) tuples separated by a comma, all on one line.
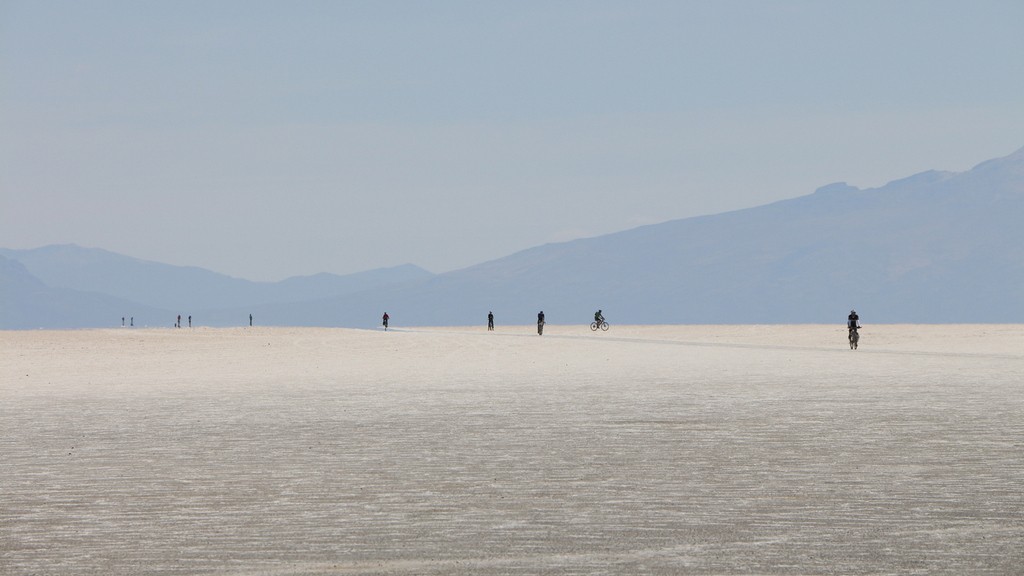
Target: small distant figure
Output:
[(250, 320), (122, 321), (386, 318), (189, 320), (599, 321), (540, 323), (852, 326), (178, 323), (133, 321), (490, 321), (598, 317)]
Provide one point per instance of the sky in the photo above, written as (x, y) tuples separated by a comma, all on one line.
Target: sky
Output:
[(271, 139)]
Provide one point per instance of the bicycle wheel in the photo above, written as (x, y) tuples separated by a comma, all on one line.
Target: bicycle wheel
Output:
[(593, 325), (604, 326)]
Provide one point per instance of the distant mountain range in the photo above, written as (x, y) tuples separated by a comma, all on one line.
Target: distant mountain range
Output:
[(68, 286), (935, 247)]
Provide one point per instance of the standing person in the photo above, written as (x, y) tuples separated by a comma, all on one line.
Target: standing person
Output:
[(122, 321), (540, 323), (250, 320), (133, 321), (490, 321), (189, 320), (386, 318), (178, 323)]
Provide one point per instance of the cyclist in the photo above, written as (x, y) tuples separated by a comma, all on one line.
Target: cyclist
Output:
[(598, 318), (851, 321)]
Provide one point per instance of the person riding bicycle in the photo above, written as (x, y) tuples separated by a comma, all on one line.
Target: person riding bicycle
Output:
[(851, 321), (598, 318)]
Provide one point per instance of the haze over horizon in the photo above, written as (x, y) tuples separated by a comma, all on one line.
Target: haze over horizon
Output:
[(266, 140)]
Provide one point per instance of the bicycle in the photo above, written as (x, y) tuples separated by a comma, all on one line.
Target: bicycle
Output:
[(603, 326)]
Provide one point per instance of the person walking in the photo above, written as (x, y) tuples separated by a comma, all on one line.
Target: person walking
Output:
[(490, 321), (189, 320), (540, 323), (386, 318), (250, 320), (178, 323)]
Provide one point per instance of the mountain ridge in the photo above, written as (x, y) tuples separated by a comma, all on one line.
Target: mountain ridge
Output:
[(151, 291), (935, 246), (929, 241)]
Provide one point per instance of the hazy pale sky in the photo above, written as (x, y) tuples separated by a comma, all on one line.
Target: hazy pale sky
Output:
[(270, 139)]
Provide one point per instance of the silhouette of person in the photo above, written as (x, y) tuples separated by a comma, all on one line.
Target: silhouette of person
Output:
[(386, 318), (132, 321), (190, 321), (490, 320), (540, 323), (250, 320), (122, 321), (178, 323)]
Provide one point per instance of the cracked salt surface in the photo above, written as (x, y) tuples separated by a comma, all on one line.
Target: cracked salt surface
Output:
[(672, 450)]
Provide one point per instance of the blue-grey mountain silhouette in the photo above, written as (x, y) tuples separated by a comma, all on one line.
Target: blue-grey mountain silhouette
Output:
[(935, 247)]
